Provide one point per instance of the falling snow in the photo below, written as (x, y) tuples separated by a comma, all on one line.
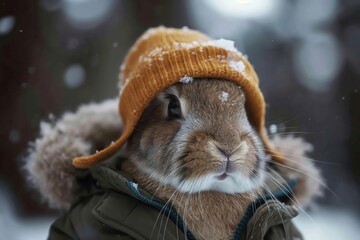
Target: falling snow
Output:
[(14, 136), (51, 117), (273, 129), (74, 76), (6, 24), (224, 96), (186, 79)]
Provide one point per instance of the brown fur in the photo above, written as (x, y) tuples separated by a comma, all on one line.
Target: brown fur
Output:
[(216, 125), (197, 148)]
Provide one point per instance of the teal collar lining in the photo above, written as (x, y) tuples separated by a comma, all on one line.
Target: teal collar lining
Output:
[(250, 210)]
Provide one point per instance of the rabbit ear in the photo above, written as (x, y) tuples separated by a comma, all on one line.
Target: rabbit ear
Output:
[(48, 163)]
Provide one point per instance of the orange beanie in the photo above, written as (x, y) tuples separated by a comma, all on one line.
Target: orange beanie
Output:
[(160, 58)]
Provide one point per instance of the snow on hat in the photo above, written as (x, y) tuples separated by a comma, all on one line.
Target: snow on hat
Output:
[(160, 58)]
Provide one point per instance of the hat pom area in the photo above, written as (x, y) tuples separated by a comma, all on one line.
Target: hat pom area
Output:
[(160, 58), (48, 162)]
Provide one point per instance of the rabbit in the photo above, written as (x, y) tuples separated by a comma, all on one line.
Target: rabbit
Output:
[(195, 147), (200, 146)]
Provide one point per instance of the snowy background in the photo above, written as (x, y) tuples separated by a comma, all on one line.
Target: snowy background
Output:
[(57, 54)]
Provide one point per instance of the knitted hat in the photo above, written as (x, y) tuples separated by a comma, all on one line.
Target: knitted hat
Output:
[(160, 58)]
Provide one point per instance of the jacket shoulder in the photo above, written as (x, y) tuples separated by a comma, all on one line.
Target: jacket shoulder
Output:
[(83, 220), (273, 221), (113, 215)]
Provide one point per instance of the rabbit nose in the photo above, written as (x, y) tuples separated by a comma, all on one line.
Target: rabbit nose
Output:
[(226, 153)]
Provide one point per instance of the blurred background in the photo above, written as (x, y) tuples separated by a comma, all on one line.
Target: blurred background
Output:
[(58, 54)]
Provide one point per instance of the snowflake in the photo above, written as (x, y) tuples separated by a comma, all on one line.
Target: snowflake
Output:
[(223, 96)]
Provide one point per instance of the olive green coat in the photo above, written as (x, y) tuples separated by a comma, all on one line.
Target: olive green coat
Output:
[(109, 205)]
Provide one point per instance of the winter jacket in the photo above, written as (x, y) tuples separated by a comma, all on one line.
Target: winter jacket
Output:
[(104, 203), (109, 205)]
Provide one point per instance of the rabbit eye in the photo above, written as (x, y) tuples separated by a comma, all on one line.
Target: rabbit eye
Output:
[(174, 108)]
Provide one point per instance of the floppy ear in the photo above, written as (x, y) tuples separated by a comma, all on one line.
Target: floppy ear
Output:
[(48, 163), (297, 165)]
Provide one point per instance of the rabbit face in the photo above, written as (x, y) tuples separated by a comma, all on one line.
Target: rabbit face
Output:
[(197, 137)]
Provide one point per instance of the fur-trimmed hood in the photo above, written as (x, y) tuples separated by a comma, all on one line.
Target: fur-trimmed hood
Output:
[(93, 126)]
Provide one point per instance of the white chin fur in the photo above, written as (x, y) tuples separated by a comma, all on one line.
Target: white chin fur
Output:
[(232, 184)]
